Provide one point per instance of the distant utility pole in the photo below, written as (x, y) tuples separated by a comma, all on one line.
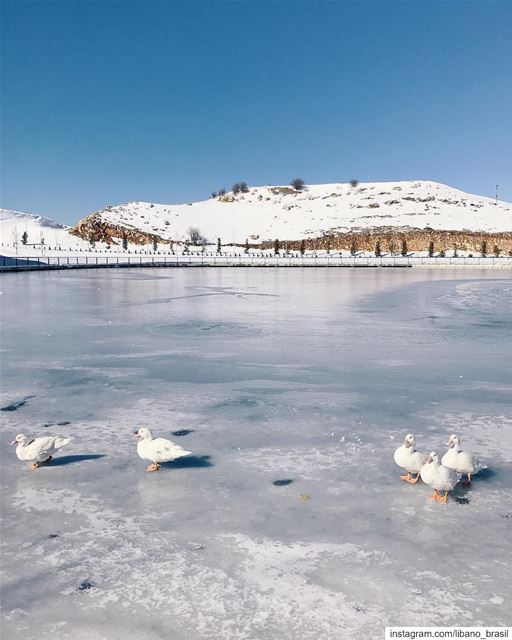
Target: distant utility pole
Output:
[(497, 193)]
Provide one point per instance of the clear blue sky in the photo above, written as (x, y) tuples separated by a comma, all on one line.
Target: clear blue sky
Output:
[(105, 102)]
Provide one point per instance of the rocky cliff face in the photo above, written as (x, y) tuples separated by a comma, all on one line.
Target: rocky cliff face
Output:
[(391, 240), (94, 228)]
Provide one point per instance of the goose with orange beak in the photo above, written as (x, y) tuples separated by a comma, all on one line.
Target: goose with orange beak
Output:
[(409, 459), (38, 451), (157, 450), (460, 461), (440, 478)]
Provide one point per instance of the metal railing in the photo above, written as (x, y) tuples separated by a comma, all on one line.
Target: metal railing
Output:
[(30, 263)]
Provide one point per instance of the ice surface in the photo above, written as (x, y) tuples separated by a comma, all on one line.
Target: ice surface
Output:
[(310, 376)]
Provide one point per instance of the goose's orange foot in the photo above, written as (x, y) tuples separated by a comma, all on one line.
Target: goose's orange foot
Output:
[(36, 465), (154, 467), (408, 478)]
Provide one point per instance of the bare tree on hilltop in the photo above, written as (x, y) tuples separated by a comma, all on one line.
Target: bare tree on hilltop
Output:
[(24, 238), (354, 182), (240, 187), (298, 184)]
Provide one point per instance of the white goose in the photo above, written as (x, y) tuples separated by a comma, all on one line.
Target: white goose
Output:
[(157, 450), (39, 450), (461, 461), (409, 459), (438, 477)]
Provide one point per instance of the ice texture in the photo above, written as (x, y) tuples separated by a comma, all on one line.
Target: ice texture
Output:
[(292, 388)]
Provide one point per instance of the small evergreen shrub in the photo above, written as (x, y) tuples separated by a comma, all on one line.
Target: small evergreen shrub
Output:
[(298, 184)]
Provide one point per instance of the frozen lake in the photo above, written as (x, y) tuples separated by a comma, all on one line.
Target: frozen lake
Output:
[(306, 376)]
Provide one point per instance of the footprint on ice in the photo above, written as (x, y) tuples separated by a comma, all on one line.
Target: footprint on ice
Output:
[(460, 500), (64, 423), (282, 483), (17, 404), (182, 432), (53, 535), (85, 585)]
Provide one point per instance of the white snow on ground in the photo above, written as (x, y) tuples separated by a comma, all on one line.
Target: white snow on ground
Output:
[(311, 376)]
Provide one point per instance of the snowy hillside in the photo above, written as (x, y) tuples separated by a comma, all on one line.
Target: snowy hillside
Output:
[(265, 213), (14, 223)]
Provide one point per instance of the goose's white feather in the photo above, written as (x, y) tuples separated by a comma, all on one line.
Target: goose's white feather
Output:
[(158, 449), (460, 461), (39, 449), (408, 458), (437, 476)]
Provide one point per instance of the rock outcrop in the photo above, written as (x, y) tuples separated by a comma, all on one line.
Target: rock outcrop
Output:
[(391, 240), (94, 229)]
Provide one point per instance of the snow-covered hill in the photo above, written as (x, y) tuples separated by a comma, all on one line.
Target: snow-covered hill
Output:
[(266, 213), (269, 212), (13, 224)]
